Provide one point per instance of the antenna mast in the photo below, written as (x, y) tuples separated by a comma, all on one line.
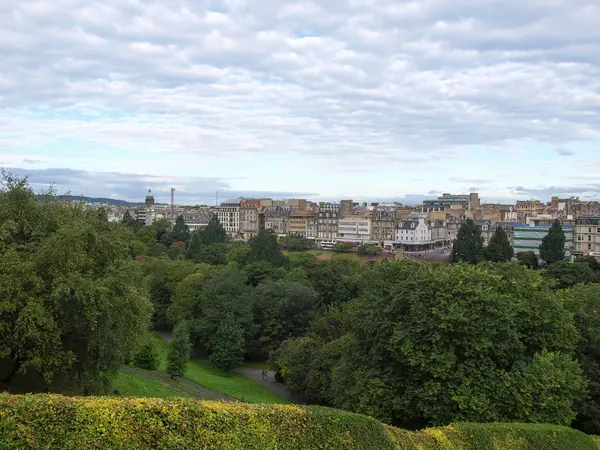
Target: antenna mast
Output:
[(172, 199)]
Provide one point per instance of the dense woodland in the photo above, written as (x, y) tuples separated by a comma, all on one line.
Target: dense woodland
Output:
[(480, 339)]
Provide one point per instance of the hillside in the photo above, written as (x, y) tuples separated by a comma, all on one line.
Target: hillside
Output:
[(108, 201), (52, 421)]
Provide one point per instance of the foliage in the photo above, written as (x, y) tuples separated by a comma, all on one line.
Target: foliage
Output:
[(176, 252), (282, 310), (72, 307), (584, 302), (129, 221), (590, 261), (264, 247), (158, 249), (237, 253), (261, 271), (569, 274), (468, 245), (146, 358), (45, 421), (212, 254), (499, 248), (129, 384), (435, 344), (180, 231), (344, 247), (552, 248), (230, 345), (370, 250), (336, 282), (529, 258), (179, 353), (293, 243), (138, 248), (213, 233), (147, 235)]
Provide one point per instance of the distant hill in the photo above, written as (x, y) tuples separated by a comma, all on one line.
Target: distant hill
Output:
[(109, 201)]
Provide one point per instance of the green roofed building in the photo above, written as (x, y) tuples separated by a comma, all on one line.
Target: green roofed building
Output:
[(528, 238)]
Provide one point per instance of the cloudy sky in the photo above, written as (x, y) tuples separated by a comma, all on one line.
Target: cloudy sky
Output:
[(363, 99)]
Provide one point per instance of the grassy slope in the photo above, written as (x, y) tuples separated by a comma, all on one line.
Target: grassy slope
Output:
[(233, 385), (132, 385)]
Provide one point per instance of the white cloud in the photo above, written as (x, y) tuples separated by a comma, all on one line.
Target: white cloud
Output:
[(408, 81)]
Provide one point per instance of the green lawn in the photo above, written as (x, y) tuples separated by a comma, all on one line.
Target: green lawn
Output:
[(233, 385), (132, 385)]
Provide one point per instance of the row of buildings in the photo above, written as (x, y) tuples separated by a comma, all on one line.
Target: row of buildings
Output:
[(433, 224)]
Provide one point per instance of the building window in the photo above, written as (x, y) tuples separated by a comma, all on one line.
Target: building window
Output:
[(589, 246)]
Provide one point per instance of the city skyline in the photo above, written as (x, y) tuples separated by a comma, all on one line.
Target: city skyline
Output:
[(369, 100)]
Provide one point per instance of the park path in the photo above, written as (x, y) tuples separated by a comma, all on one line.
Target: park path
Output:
[(256, 375), (186, 386)]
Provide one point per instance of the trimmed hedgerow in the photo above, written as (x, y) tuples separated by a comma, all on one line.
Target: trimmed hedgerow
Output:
[(494, 436), (53, 422)]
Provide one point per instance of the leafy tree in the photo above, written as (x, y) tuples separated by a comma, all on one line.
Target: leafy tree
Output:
[(429, 345), (175, 252), (180, 231), (162, 227), (345, 247), (584, 302), (530, 259), (499, 248), (264, 247), (147, 235), (569, 274), (146, 358), (179, 353), (138, 248), (335, 281), (293, 243), (553, 244), (213, 233), (129, 221), (208, 253), (590, 261), (237, 253), (260, 271), (158, 249), (282, 310), (73, 308), (468, 245), (230, 345)]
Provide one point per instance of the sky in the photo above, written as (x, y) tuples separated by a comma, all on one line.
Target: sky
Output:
[(364, 99)]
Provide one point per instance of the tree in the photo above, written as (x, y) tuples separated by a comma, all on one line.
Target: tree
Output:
[(499, 248), (129, 221), (209, 254), (138, 248), (282, 310), (230, 345), (158, 249), (213, 233), (369, 250), (146, 358), (162, 227), (147, 235), (345, 247), (590, 261), (180, 231), (73, 308), (179, 353), (293, 243), (553, 244), (584, 302), (429, 345), (260, 271), (175, 252), (569, 274), (264, 247), (529, 258), (468, 245)]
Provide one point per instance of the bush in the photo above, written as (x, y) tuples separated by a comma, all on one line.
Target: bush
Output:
[(147, 357), (54, 421)]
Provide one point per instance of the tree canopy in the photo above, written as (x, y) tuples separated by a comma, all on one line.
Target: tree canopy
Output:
[(468, 245), (499, 248), (552, 248), (73, 309)]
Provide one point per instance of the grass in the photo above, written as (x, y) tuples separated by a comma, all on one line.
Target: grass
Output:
[(233, 385), (132, 385), (256, 365)]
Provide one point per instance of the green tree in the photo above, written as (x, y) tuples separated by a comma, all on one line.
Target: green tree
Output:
[(179, 352), (129, 221), (369, 250), (264, 247), (590, 261), (180, 231), (215, 254), (138, 248), (230, 345), (73, 307), (584, 302), (569, 274), (468, 245), (147, 235), (282, 310), (175, 252), (146, 358), (529, 258), (499, 248), (162, 227), (260, 271), (213, 233), (158, 249), (345, 247), (553, 244)]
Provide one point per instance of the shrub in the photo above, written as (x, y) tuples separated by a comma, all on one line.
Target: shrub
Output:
[(147, 357)]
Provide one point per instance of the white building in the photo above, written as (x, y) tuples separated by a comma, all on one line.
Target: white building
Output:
[(229, 216), (413, 232), (355, 228)]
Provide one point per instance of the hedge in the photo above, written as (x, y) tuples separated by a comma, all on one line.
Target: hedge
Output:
[(54, 421)]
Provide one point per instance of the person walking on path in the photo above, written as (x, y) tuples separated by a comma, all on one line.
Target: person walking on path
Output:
[(265, 376)]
